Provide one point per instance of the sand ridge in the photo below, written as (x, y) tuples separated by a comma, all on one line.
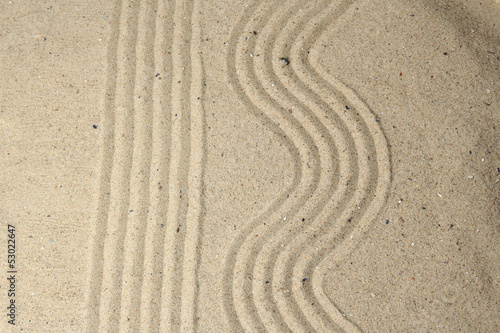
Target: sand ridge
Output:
[(263, 166), (274, 268), (152, 171), (292, 100), (125, 247)]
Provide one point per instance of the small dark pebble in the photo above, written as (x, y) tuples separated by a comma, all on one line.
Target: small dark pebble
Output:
[(157, 74), (423, 207), (131, 210), (386, 221), (267, 282), (348, 220), (347, 107), (94, 126), (285, 60), (304, 280), (303, 219), (445, 53)]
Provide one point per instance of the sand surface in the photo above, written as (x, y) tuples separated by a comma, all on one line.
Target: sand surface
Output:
[(250, 166)]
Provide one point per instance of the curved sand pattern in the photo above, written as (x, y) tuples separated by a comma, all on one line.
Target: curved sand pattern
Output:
[(291, 311), (273, 278), (239, 169), (279, 260)]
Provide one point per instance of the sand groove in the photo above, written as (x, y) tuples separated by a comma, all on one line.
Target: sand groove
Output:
[(288, 305), (373, 187), (120, 173), (159, 184), (94, 279), (179, 170), (237, 281), (196, 211), (146, 274), (139, 178), (310, 184)]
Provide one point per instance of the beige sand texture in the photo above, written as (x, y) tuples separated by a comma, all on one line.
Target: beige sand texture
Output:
[(251, 166)]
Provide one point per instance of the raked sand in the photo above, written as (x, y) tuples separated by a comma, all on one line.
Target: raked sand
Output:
[(250, 166)]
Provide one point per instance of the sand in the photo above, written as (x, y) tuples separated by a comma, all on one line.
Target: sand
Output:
[(250, 166)]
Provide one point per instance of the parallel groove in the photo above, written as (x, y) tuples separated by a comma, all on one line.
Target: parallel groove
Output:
[(149, 225)]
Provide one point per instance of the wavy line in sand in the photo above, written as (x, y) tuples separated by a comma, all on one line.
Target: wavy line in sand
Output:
[(317, 128), (379, 146), (363, 190), (318, 204), (356, 128), (374, 188), (271, 115), (299, 93), (333, 128)]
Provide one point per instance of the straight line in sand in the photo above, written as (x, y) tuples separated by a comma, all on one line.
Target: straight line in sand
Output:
[(148, 226)]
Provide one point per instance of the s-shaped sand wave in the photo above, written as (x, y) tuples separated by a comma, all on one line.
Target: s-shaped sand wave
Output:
[(374, 181), (369, 142), (237, 282)]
